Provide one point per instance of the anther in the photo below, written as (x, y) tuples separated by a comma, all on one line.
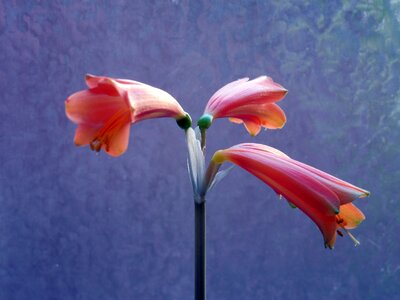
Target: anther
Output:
[(356, 242)]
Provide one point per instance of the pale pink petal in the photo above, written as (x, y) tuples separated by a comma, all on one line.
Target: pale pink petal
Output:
[(258, 147), (257, 91), (150, 102), (221, 93)]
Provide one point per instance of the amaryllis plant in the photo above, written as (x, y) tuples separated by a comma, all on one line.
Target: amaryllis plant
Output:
[(105, 111)]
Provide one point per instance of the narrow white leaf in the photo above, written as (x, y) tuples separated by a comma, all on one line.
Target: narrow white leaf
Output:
[(219, 176)]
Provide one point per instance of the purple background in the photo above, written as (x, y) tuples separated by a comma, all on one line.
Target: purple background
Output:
[(75, 225)]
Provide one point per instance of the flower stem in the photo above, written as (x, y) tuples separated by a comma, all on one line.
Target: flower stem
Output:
[(203, 139), (200, 250)]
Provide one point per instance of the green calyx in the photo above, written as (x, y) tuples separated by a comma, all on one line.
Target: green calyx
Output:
[(185, 122), (205, 121)]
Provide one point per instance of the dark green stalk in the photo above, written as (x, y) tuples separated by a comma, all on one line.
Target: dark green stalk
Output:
[(200, 250)]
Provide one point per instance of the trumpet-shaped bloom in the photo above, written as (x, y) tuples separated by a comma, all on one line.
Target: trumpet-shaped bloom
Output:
[(105, 111), (251, 102), (323, 197)]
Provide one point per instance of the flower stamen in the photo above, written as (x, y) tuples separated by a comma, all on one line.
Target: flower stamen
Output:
[(110, 128), (342, 224), (339, 221), (356, 242)]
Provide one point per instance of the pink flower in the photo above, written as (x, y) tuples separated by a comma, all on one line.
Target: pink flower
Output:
[(249, 102), (106, 110), (323, 197)]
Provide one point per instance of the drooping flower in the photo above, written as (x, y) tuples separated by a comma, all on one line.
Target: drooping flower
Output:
[(323, 197), (105, 111), (251, 102)]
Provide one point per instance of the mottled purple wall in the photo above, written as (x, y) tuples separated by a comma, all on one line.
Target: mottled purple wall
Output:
[(75, 225)]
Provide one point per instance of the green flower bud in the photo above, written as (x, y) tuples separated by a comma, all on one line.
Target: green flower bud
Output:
[(205, 121), (185, 122)]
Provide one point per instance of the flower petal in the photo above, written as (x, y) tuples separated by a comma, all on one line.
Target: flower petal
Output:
[(118, 142), (91, 108), (220, 94), (272, 117), (104, 85), (302, 190), (351, 216), (242, 92), (150, 102), (92, 80), (258, 147), (252, 125), (344, 190), (254, 116), (85, 134)]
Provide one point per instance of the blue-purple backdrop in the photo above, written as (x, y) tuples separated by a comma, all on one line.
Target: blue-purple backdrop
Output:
[(75, 225)]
